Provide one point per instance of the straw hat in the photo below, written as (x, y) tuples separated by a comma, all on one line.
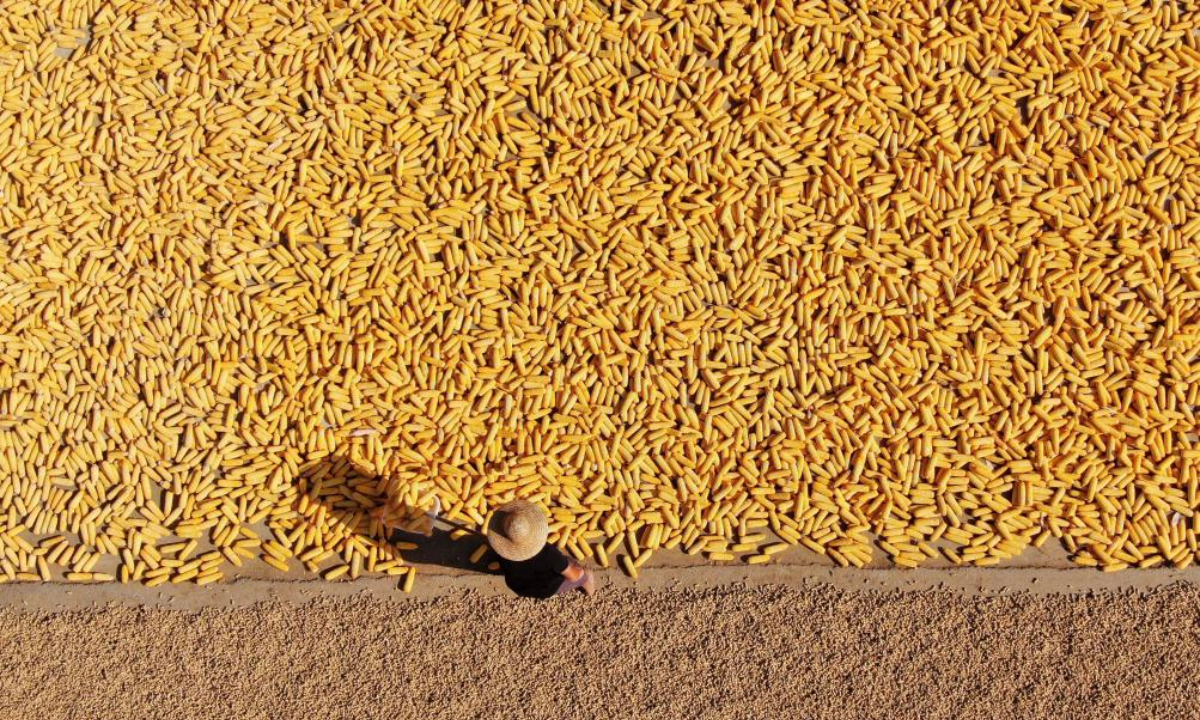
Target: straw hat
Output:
[(518, 530)]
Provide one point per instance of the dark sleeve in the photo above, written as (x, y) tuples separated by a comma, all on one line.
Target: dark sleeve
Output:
[(557, 561)]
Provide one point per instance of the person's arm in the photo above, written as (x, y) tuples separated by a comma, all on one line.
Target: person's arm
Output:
[(562, 564), (574, 570)]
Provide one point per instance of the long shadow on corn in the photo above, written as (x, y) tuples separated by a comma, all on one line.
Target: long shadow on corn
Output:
[(342, 499)]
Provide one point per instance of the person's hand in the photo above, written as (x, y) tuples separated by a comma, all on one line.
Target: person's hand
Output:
[(589, 585)]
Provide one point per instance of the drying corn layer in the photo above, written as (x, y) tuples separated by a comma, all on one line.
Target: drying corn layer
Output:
[(728, 276)]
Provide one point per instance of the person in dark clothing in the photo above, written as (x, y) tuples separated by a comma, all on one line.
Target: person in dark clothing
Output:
[(533, 568)]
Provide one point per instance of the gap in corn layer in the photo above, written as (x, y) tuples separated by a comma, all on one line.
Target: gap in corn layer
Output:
[(686, 273)]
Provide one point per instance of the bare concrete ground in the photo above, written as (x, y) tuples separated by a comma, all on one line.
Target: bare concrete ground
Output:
[(443, 567), (730, 651)]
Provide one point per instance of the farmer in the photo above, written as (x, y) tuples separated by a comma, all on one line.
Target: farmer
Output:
[(532, 568)]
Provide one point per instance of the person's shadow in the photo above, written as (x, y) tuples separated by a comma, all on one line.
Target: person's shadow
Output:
[(339, 494)]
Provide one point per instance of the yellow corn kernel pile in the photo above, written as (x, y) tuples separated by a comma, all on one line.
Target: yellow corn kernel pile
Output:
[(703, 274)]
